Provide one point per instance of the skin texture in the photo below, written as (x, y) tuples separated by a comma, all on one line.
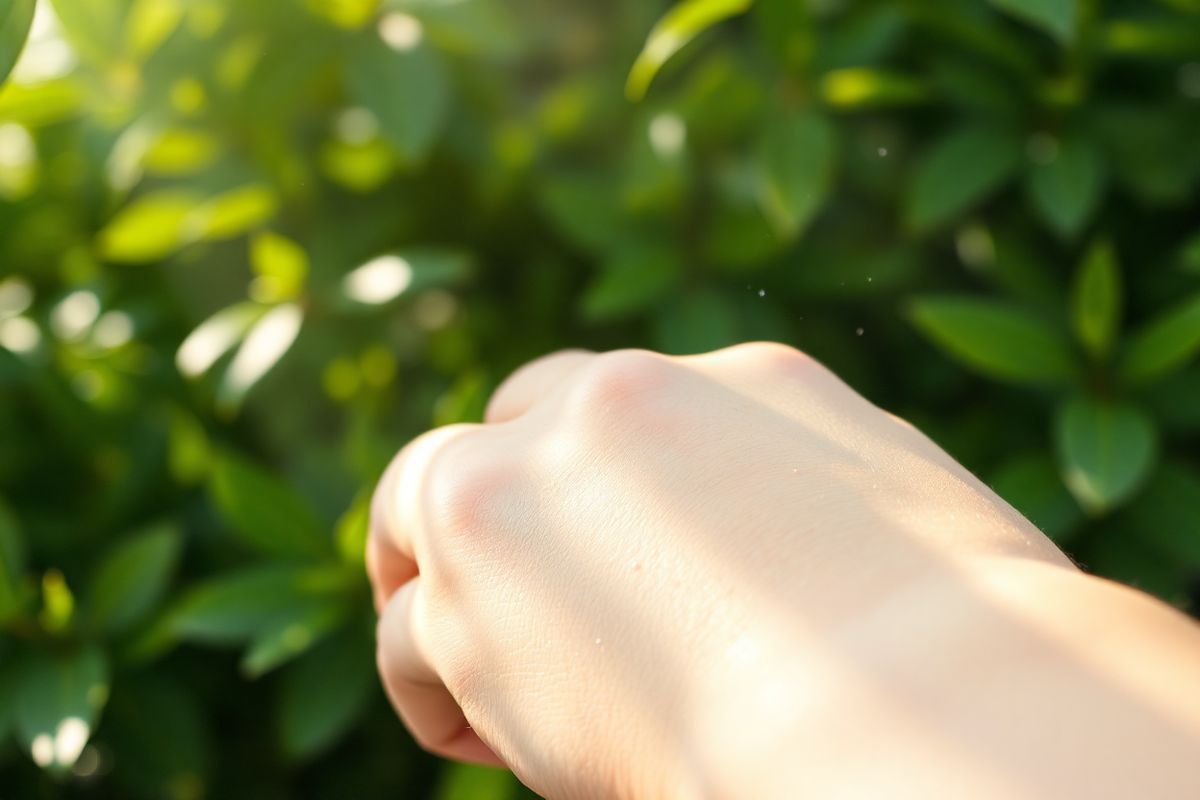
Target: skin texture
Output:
[(731, 576)]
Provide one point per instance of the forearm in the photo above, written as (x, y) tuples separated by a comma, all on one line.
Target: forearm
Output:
[(1010, 679)]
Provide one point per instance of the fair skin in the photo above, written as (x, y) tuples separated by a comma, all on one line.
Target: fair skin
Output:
[(731, 576)]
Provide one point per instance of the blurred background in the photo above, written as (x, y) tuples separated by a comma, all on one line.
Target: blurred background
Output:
[(248, 249)]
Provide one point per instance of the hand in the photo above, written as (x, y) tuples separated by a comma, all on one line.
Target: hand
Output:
[(648, 577)]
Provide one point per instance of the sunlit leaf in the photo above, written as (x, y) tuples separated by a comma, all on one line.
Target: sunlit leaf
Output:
[(386, 277), (132, 579), (679, 26), (314, 712), (1168, 342), (149, 23), (1057, 17), (234, 212), (60, 701), (405, 86), (150, 228), (1096, 299), (181, 151), (353, 528), (215, 336), (796, 165), (281, 265), (862, 87), (41, 104), (958, 173), (1067, 190), (15, 18), (94, 28), (1033, 485), (996, 339), (265, 512), (265, 344), (1105, 451)]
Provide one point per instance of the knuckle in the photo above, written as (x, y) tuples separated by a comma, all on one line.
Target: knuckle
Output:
[(776, 357), (467, 490), (620, 380)]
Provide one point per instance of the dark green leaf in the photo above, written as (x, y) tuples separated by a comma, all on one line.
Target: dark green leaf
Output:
[(159, 736), (1096, 299), (60, 700), (281, 643), (697, 322), (264, 511), (959, 172), (15, 18), (325, 691), (407, 90), (1105, 451), (1067, 190), (795, 164), (1031, 483), (132, 579), (996, 339), (684, 22), (12, 563), (1057, 17), (250, 603), (633, 280), (471, 782), (1167, 515), (1167, 343)]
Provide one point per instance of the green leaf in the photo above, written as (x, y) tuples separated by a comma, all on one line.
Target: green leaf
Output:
[(242, 605), (150, 228), (1031, 483), (60, 700), (1167, 515), (796, 162), (234, 212), (132, 579), (696, 322), (959, 172), (407, 90), (281, 643), (325, 691), (146, 763), (266, 343), (584, 208), (1096, 299), (265, 512), (1164, 345), (472, 782), (150, 23), (1057, 17), (1105, 451), (632, 281), (94, 28), (15, 18), (281, 265), (996, 339), (12, 564), (864, 87), (684, 22), (1067, 190)]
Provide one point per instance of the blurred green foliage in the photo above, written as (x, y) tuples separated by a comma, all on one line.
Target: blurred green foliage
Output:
[(247, 249)]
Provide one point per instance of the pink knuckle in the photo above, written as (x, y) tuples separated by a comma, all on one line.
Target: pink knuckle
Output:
[(621, 380), (467, 492)]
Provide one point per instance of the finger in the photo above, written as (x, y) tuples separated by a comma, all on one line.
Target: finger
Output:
[(531, 382), (397, 511), (429, 711)]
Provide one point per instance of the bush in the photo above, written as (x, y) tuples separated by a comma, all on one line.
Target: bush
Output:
[(249, 248)]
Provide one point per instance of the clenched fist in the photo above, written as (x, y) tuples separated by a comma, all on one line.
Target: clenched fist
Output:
[(729, 575)]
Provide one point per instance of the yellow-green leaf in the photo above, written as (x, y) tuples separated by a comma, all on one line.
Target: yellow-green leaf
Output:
[(1096, 299), (150, 228), (684, 22)]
